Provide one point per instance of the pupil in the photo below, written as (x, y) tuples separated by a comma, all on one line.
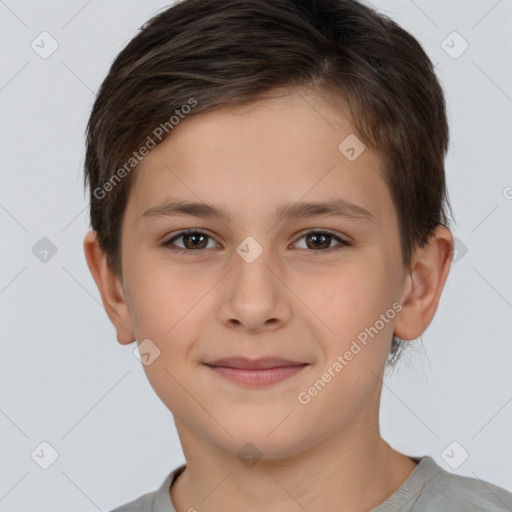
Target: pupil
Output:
[(325, 239), (193, 235)]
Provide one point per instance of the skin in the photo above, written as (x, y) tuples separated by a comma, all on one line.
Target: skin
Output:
[(301, 299)]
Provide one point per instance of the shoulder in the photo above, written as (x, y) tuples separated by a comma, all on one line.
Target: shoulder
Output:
[(142, 504), (155, 501), (441, 491), (454, 493)]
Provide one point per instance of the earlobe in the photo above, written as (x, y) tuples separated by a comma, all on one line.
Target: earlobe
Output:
[(424, 284), (110, 289)]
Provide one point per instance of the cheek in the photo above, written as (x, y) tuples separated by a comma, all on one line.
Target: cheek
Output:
[(166, 307), (350, 298), (164, 300), (358, 350), (170, 385), (362, 316)]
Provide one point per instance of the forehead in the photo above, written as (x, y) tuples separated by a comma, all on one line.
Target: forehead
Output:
[(286, 148)]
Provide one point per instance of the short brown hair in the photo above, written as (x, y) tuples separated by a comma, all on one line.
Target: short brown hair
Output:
[(217, 53)]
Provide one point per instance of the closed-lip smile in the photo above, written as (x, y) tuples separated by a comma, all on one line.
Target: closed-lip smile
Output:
[(256, 372)]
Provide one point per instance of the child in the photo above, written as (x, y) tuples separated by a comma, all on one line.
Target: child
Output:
[(301, 144)]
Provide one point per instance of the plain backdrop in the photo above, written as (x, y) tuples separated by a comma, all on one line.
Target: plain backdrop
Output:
[(66, 382)]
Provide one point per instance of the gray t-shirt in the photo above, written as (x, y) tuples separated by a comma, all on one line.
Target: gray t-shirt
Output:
[(429, 488)]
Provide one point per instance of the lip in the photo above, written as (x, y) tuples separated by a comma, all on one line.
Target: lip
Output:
[(256, 372), (262, 363)]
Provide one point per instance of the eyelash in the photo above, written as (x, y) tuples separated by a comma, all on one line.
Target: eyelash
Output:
[(342, 243)]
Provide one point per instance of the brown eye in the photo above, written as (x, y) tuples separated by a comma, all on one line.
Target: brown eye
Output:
[(318, 240), (191, 240), (195, 241), (322, 240)]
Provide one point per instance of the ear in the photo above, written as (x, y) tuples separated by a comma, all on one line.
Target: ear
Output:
[(111, 289), (424, 283)]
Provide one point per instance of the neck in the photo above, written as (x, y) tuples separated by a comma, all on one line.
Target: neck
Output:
[(353, 470)]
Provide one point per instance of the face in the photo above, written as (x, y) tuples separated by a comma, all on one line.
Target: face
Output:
[(267, 278)]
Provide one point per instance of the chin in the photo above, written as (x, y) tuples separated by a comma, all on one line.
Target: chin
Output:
[(266, 438)]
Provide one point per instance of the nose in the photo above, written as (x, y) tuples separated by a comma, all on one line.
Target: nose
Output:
[(255, 298)]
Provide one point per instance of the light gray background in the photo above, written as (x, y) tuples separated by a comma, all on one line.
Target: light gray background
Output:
[(65, 380)]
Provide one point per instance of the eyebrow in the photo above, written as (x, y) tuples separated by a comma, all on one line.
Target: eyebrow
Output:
[(330, 208)]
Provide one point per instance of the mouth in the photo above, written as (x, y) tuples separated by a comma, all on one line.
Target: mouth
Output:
[(256, 372)]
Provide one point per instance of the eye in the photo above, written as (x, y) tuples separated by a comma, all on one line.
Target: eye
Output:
[(321, 241), (193, 239), (196, 240)]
